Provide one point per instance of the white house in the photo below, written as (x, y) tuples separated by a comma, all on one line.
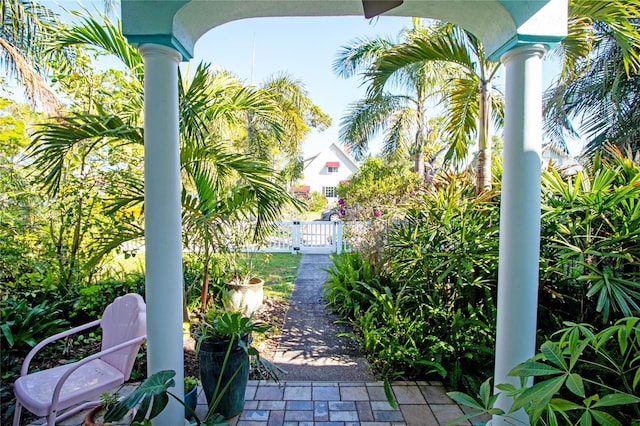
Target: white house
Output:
[(325, 170)]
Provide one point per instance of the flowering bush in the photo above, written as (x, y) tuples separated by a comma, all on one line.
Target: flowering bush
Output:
[(377, 195)]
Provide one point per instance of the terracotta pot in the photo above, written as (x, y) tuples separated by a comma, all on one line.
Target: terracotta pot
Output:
[(91, 415)]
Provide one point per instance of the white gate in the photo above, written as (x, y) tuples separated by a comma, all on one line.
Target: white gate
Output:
[(306, 237)]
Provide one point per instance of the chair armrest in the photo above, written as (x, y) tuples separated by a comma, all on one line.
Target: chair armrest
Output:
[(78, 364), (25, 364)]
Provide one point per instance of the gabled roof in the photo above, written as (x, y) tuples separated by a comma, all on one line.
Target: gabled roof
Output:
[(346, 156)]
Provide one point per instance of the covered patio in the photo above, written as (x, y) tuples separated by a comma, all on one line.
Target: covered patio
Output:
[(518, 33)]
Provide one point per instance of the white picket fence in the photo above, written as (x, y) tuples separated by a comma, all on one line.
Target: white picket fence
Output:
[(288, 237)]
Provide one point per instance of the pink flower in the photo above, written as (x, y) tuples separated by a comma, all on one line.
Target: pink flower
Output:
[(376, 213)]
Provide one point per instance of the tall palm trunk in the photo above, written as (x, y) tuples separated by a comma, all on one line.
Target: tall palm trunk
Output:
[(483, 168), (418, 156)]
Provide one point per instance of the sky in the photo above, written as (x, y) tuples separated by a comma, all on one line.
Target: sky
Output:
[(304, 48)]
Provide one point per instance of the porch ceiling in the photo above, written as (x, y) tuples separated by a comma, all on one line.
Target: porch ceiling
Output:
[(500, 24)]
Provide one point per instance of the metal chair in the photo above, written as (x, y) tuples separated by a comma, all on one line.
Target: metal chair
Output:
[(46, 393)]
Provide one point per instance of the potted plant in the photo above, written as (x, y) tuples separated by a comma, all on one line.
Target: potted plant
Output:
[(190, 395), (224, 351), (244, 291), (150, 399), (96, 416)]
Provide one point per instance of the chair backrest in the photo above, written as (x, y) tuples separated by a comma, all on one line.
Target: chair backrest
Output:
[(124, 319)]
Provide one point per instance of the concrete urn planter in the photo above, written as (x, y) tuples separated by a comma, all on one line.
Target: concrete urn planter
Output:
[(245, 297)]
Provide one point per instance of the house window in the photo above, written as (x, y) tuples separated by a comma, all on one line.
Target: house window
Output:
[(329, 191), (332, 166)]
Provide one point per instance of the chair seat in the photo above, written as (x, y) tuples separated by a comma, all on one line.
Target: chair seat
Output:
[(35, 390)]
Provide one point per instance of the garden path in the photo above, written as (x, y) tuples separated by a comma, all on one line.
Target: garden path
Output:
[(309, 347)]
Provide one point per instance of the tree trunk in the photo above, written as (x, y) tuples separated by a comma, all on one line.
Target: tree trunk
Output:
[(483, 167), (418, 157)]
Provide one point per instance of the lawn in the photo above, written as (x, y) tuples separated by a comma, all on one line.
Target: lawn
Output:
[(278, 270)]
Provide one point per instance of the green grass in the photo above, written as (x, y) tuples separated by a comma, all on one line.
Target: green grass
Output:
[(278, 270)]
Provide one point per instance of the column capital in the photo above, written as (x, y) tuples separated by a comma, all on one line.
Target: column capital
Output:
[(152, 49), (527, 51)]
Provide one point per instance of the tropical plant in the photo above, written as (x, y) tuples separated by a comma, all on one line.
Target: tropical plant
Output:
[(151, 397), (225, 353), (376, 196), (472, 102), (24, 326), (298, 116), (25, 27), (403, 114), (598, 85), (219, 186), (190, 382), (590, 262), (584, 378), (344, 291)]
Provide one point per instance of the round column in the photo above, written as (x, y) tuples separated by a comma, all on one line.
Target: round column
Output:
[(519, 217), (163, 242)]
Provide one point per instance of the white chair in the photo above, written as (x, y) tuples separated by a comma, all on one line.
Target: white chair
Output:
[(48, 392)]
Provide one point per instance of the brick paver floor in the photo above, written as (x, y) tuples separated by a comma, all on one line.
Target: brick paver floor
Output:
[(319, 403)]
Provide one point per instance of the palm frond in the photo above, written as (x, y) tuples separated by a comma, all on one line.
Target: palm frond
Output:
[(53, 143), (619, 19), (364, 119), (460, 117), (102, 34), (25, 27), (359, 55)]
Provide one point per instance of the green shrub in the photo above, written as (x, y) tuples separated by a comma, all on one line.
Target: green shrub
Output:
[(590, 247), (23, 326), (346, 290), (93, 299), (582, 378), (316, 202)]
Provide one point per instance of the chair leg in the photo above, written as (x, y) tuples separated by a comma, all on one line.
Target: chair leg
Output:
[(51, 418), (16, 414)]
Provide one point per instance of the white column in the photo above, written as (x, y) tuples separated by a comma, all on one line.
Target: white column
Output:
[(163, 243), (519, 217)]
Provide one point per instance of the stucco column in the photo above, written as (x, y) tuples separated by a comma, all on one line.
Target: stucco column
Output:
[(163, 242), (519, 217)]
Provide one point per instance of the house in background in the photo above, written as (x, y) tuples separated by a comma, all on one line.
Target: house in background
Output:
[(324, 171)]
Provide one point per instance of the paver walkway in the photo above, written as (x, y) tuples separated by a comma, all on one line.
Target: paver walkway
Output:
[(309, 348), (328, 381)]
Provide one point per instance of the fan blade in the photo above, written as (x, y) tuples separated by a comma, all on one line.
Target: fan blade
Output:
[(374, 8)]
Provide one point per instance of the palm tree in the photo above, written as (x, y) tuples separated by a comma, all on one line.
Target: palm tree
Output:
[(472, 103), (298, 116), (600, 81), (25, 27), (403, 115), (219, 186)]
